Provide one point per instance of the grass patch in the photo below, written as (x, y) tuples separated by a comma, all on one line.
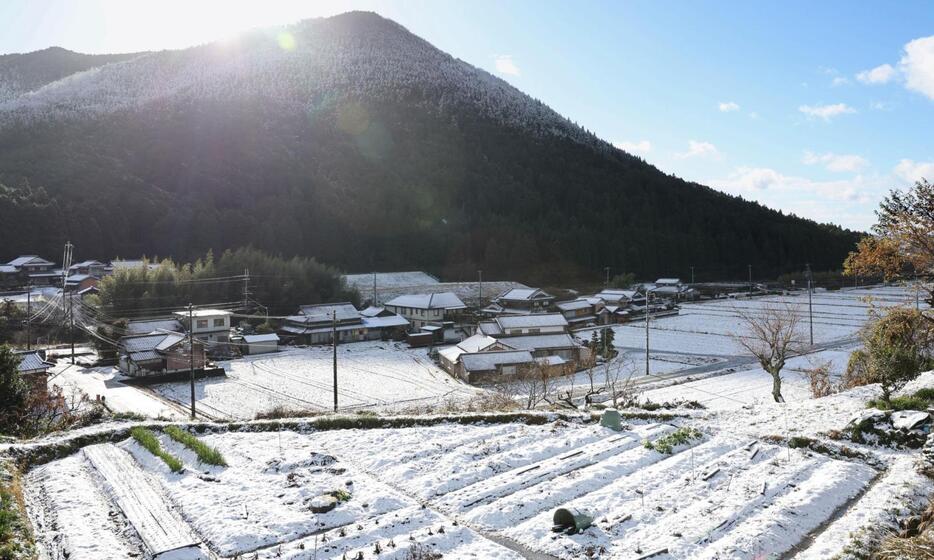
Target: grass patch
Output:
[(151, 443), (667, 443), (10, 526), (206, 454), (926, 393), (899, 403)]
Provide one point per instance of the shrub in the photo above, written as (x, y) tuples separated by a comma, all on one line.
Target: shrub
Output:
[(421, 552), (150, 443), (10, 526), (899, 403), (927, 394), (667, 443), (206, 454)]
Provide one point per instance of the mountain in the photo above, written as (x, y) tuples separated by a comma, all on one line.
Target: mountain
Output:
[(352, 140)]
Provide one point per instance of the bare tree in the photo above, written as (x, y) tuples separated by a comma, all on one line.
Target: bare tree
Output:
[(771, 335), (617, 380), (535, 384), (819, 380)]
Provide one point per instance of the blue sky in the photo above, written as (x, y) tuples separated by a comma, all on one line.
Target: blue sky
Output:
[(816, 108)]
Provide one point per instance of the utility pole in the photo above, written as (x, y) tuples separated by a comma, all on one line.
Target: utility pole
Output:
[(607, 284), (692, 275), (749, 266), (374, 290), (810, 305), (334, 344), (28, 319), (70, 312), (191, 357), (246, 288), (647, 332), (480, 292)]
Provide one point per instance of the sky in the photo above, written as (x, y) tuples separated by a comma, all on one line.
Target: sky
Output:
[(813, 108)]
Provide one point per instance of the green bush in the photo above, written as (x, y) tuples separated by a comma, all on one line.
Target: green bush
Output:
[(667, 443), (150, 442), (206, 454), (900, 403), (10, 525), (926, 394)]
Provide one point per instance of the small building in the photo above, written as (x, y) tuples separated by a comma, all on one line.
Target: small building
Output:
[(520, 301), (90, 268), (253, 344), (79, 282), (315, 324), (450, 357), (483, 367), (581, 312), (427, 309), (34, 368), (210, 325), (148, 326), (159, 354), (517, 325)]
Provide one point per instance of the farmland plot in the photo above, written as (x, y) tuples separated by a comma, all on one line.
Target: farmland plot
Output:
[(370, 375), (480, 491)]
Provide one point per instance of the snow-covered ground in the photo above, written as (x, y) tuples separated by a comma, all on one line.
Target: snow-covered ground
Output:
[(370, 375)]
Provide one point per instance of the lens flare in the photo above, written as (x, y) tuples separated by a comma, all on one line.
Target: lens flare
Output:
[(286, 41)]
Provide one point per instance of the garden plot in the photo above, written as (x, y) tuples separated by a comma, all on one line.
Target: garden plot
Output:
[(451, 488), (370, 375)]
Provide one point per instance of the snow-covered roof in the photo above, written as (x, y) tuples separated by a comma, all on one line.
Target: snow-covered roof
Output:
[(551, 360), (157, 341), (88, 290), (523, 294), (532, 321), (451, 353), (490, 328), (345, 311), (31, 361), (146, 327), (77, 278), (199, 313), (145, 356), (84, 264), (668, 281), (443, 300), (539, 341), (487, 361), (364, 282), (8, 269), (476, 343), (573, 305), (255, 338), (29, 260), (384, 322), (372, 311)]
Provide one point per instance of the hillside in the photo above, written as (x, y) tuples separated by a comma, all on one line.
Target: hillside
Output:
[(350, 139)]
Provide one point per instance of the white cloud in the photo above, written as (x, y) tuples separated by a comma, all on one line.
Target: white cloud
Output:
[(836, 162), (911, 171), (753, 180), (917, 64), (700, 149), (839, 81), (727, 106), (880, 106), (640, 147), (506, 65), (882, 74), (826, 112)]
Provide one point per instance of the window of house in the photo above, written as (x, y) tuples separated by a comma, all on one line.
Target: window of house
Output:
[(535, 331), (509, 370), (202, 323), (218, 322)]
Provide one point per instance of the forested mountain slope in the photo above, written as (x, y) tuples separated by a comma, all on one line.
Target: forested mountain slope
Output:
[(352, 140)]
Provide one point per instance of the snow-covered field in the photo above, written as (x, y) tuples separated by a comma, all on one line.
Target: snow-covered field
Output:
[(370, 375), (484, 491)]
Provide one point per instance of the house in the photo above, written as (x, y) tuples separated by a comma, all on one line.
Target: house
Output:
[(33, 270), (450, 357), (9, 276), (210, 325), (517, 325), (671, 288), (147, 326), (34, 368), (541, 345), (612, 296), (79, 282), (158, 354), (427, 309), (483, 367), (520, 301), (314, 324), (382, 324), (253, 344), (90, 268), (581, 312)]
